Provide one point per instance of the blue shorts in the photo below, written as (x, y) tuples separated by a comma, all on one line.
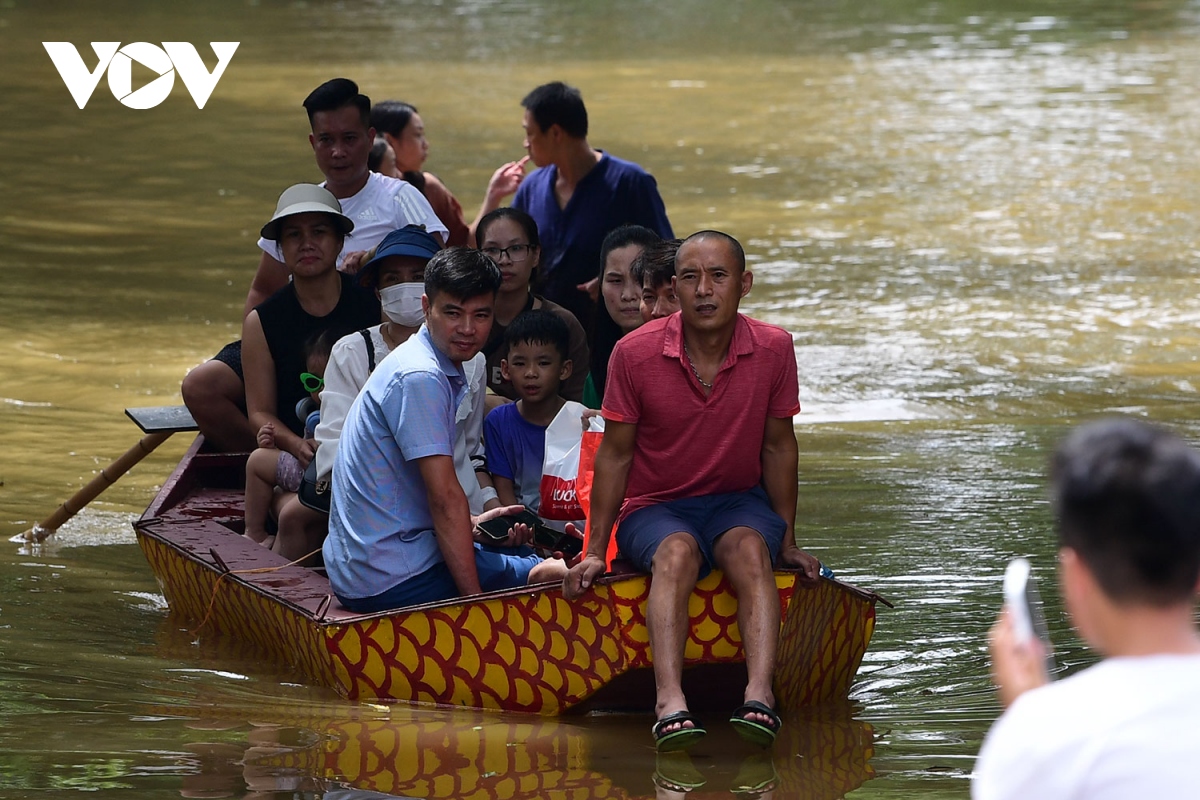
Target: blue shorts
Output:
[(705, 519), (498, 568)]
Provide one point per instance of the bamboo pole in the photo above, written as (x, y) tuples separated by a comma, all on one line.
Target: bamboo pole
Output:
[(107, 477)]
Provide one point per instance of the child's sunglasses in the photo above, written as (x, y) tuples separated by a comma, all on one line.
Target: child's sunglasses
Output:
[(312, 383)]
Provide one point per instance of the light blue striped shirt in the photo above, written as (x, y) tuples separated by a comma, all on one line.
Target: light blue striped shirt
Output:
[(380, 525)]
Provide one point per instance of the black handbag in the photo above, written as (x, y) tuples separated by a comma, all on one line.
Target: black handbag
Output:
[(314, 493)]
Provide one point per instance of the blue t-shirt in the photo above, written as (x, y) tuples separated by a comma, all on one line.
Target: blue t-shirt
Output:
[(613, 194), (516, 449), (380, 526)]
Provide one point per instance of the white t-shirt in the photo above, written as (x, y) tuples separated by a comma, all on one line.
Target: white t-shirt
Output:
[(380, 207), (1123, 729), (346, 374)]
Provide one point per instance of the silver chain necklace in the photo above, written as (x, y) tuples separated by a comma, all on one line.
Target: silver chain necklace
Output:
[(695, 371)]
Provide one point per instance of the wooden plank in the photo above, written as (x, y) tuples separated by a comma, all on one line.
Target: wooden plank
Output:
[(163, 419)]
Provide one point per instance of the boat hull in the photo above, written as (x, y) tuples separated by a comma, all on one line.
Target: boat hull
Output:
[(528, 650)]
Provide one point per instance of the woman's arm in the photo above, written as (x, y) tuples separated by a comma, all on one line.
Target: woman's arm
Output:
[(259, 369)]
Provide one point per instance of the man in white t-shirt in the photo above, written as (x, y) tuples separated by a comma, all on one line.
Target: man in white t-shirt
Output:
[(341, 140), (1127, 498)]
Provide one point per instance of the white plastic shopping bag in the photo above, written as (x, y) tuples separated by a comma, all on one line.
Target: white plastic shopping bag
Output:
[(560, 467)]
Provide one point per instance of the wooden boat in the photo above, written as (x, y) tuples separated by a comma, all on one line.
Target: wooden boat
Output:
[(527, 650)]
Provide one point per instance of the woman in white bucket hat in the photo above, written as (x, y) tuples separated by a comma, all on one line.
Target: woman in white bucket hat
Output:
[(308, 229)]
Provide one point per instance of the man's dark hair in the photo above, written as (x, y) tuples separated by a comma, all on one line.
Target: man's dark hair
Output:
[(558, 104), (540, 327), (738, 253), (656, 263), (335, 94), (462, 273), (1127, 498)]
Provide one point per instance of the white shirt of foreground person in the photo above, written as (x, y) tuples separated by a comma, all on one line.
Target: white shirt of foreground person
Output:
[(1124, 729)]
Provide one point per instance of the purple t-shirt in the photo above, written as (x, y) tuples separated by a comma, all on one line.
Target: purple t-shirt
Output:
[(516, 449), (613, 194)]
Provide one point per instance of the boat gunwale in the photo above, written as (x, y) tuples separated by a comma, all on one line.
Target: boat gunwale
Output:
[(145, 527)]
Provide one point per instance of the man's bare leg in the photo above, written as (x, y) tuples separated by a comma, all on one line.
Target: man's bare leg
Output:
[(674, 569), (216, 397), (742, 554)]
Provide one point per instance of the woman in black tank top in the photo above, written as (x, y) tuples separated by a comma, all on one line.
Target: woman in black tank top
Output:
[(309, 229)]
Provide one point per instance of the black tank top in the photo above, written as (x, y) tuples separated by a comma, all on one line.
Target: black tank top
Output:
[(287, 326)]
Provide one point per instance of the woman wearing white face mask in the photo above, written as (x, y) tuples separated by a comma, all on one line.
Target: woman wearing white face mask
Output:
[(396, 272)]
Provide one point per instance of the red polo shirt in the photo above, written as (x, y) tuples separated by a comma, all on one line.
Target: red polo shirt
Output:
[(689, 445)]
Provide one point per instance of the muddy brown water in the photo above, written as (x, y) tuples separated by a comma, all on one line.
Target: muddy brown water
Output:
[(978, 219)]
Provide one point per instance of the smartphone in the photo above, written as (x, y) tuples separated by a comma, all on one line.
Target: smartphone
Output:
[(497, 529), (570, 546), (549, 541), (1025, 607)]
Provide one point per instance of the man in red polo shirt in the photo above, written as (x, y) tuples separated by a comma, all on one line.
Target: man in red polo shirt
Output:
[(699, 446)]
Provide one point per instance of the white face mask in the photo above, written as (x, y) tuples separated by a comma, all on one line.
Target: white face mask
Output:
[(402, 303)]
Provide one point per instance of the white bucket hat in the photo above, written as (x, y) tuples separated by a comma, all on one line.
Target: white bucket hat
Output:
[(304, 198)]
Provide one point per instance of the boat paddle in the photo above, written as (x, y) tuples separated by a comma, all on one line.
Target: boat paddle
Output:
[(158, 423)]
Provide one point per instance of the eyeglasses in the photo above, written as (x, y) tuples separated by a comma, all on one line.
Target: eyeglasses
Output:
[(515, 252), (312, 383)]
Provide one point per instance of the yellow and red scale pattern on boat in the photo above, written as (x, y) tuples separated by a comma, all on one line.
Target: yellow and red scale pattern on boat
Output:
[(714, 634), (444, 760), (530, 651), (824, 635), (819, 756), (540, 653)]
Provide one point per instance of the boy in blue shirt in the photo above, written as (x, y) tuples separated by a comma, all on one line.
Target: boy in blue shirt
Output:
[(515, 433)]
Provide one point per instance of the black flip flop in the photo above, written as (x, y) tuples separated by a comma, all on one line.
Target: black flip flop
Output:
[(679, 739), (757, 733)]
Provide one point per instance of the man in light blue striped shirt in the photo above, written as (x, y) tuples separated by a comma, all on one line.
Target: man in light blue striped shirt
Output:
[(400, 530)]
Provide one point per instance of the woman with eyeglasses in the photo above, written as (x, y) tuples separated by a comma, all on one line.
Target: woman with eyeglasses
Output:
[(509, 237)]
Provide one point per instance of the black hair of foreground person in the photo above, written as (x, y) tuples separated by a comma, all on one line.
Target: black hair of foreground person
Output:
[(1127, 499), (461, 272)]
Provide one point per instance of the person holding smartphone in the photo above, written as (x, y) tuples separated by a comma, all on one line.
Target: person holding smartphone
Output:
[(1127, 501), (400, 526)]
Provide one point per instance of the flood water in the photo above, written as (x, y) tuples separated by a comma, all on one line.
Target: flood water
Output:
[(978, 220)]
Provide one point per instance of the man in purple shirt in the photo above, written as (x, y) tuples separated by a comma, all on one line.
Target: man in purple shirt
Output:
[(578, 197)]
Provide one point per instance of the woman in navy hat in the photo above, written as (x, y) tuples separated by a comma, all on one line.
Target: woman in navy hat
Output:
[(396, 273)]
